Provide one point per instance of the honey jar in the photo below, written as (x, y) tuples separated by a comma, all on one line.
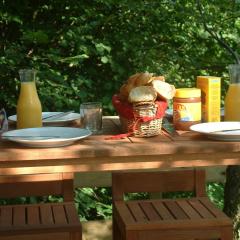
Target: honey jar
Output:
[(186, 108)]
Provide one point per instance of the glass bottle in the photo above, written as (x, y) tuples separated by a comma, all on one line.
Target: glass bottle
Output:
[(29, 109), (232, 99)]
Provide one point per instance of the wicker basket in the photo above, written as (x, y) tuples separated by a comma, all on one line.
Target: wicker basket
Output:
[(140, 128)]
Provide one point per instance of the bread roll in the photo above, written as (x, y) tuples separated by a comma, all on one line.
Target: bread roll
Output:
[(162, 78), (143, 79), (140, 79), (164, 90), (123, 93), (132, 79), (142, 94)]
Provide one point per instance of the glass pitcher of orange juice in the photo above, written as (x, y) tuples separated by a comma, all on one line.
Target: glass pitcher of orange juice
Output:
[(29, 109), (232, 99)]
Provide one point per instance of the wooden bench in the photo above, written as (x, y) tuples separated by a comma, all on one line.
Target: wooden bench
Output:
[(42, 220), (161, 219)]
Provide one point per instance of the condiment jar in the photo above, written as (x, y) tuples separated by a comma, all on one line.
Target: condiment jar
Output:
[(186, 108), (29, 108)]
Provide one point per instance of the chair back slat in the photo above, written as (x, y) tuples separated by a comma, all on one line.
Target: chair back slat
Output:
[(200, 183), (164, 181), (37, 185)]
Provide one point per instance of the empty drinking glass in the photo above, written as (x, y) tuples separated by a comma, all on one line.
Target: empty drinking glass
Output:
[(91, 116), (3, 121)]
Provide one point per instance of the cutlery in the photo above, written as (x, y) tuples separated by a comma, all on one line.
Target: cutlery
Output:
[(168, 128), (57, 115), (225, 130)]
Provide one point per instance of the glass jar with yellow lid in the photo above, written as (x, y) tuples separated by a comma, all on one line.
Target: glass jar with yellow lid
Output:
[(186, 108)]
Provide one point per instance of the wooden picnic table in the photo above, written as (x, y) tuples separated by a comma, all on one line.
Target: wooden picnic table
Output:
[(96, 153)]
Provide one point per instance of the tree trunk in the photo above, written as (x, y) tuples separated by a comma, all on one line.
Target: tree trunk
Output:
[(232, 198)]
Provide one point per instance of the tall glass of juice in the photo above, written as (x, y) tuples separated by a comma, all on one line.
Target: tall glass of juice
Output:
[(232, 99), (29, 108)]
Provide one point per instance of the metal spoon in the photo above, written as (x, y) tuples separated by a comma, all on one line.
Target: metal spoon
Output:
[(57, 115)]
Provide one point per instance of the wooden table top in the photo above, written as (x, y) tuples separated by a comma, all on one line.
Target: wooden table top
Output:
[(96, 153)]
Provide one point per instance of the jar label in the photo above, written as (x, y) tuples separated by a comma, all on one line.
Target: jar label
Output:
[(186, 112)]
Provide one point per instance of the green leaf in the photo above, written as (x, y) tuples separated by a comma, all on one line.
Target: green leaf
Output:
[(104, 59), (101, 48)]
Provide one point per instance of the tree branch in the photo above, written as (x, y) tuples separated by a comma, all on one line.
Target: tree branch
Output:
[(216, 36)]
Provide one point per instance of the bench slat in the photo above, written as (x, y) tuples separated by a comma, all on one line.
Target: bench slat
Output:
[(59, 214), (33, 215), (176, 211), (19, 215), (137, 212), (150, 211), (203, 211), (46, 214), (163, 211), (212, 209), (189, 210), (125, 213), (71, 214), (6, 216)]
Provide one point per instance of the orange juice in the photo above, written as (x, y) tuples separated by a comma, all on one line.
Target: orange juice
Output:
[(232, 103), (29, 109)]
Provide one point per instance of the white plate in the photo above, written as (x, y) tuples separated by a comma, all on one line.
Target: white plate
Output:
[(46, 136), (60, 121), (213, 130)]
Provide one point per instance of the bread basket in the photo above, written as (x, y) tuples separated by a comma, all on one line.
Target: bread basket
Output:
[(140, 120)]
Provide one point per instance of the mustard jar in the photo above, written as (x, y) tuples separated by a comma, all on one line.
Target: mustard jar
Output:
[(186, 108)]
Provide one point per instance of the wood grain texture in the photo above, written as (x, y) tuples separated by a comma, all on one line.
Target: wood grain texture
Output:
[(97, 154), (42, 218), (160, 219)]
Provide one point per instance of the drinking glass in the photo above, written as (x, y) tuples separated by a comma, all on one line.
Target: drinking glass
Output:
[(3, 121), (91, 116)]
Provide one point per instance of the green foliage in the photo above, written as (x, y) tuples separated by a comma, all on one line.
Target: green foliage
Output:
[(84, 50), (215, 192), (94, 203)]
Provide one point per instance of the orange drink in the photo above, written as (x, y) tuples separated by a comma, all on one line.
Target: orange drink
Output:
[(232, 103), (29, 109), (232, 98)]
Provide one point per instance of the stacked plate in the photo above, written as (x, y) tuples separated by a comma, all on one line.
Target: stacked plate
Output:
[(52, 134), (54, 118)]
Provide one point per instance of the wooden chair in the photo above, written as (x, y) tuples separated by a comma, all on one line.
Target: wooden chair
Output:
[(166, 219), (42, 220)]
